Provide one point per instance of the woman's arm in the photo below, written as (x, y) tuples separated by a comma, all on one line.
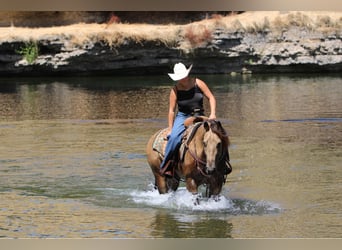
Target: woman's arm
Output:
[(172, 109), (212, 101)]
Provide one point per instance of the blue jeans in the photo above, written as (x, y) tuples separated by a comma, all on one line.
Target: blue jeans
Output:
[(175, 138)]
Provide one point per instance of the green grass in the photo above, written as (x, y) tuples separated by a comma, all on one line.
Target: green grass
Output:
[(30, 51)]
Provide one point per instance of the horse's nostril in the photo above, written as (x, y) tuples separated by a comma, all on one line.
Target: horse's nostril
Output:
[(209, 171)]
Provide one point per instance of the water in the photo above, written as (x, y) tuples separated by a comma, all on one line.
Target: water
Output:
[(73, 164)]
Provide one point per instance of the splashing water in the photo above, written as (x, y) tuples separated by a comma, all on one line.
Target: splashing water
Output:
[(184, 200)]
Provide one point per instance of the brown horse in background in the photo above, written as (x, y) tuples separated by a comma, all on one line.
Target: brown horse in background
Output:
[(203, 159)]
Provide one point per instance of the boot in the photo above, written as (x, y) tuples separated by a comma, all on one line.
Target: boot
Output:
[(167, 170)]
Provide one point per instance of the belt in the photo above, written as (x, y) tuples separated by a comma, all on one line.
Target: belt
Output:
[(197, 112)]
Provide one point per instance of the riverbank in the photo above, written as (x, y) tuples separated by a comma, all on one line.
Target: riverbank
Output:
[(252, 42)]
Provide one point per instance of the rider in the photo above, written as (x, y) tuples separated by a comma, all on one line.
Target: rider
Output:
[(187, 94)]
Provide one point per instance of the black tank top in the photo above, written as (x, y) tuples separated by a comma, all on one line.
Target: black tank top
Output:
[(190, 101)]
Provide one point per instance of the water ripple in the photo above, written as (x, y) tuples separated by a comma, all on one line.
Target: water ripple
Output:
[(320, 120)]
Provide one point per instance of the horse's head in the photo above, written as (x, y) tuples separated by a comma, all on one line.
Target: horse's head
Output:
[(215, 142)]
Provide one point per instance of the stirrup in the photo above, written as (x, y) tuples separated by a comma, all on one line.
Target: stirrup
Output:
[(167, 169)]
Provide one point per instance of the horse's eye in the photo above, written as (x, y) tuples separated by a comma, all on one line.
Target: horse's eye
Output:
[(205, 144)]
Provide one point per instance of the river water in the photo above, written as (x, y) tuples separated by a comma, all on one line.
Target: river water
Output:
[(73, 164)]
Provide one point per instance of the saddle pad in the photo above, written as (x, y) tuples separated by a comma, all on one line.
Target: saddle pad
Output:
[(159, 143)]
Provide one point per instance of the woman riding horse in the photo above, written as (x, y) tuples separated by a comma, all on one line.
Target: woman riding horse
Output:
[(203, 159), (188, 94)]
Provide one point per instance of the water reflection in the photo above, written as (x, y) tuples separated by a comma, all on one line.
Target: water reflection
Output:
[(167, 225), (63, 100), (239, 99)]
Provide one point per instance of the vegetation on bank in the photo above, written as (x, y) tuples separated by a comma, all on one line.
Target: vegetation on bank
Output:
[(186, 37), (29, 51)]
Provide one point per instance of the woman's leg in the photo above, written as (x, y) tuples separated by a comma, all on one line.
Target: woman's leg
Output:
[(175, 138)]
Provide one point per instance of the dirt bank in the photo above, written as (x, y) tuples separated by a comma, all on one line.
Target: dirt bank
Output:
[(254, 42)]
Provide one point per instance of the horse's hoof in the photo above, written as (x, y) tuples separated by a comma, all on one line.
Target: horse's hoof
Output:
[(216, 198), (196, 199)]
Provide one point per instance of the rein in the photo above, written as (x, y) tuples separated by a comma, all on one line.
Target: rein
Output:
[(199, 161)]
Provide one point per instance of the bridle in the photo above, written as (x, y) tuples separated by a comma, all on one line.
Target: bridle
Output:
[(199, 162)]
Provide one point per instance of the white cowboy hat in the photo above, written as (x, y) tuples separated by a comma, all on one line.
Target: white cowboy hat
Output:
[(180, 71)]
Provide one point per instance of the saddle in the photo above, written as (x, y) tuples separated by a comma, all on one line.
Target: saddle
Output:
[(194, 119), (191, 124)]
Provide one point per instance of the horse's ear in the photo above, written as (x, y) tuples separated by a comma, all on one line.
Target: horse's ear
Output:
[(219, 124), (206, 125)]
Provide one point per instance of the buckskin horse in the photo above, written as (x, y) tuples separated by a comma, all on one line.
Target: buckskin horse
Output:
[(203, 158)]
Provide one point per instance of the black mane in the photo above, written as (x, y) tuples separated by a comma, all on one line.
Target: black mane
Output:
[(217, 128)]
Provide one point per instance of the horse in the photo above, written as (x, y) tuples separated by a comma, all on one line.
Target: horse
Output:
[(202, 159)]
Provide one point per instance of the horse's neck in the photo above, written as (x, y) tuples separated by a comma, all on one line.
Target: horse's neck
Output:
[(195, 144), (190, 133)]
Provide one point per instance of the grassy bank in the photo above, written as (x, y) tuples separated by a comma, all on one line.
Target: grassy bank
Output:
[(183, 36)]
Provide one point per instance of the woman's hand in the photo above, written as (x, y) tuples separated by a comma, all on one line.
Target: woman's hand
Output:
[(168, 133), (212, 117)]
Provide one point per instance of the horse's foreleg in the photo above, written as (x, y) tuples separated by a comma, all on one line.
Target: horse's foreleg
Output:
[(215, 191), (191, 185), (215, 186), (161, 184)]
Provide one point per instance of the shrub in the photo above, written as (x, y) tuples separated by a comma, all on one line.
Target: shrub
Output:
[(113, 19), (29, 51), (197, 35)]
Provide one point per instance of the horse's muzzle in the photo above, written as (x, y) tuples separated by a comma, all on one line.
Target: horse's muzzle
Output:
[(209, 172), (210, 168), (210, 164)]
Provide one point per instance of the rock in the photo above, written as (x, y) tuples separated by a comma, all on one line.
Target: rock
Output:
[(245, 71), (296, 51)]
